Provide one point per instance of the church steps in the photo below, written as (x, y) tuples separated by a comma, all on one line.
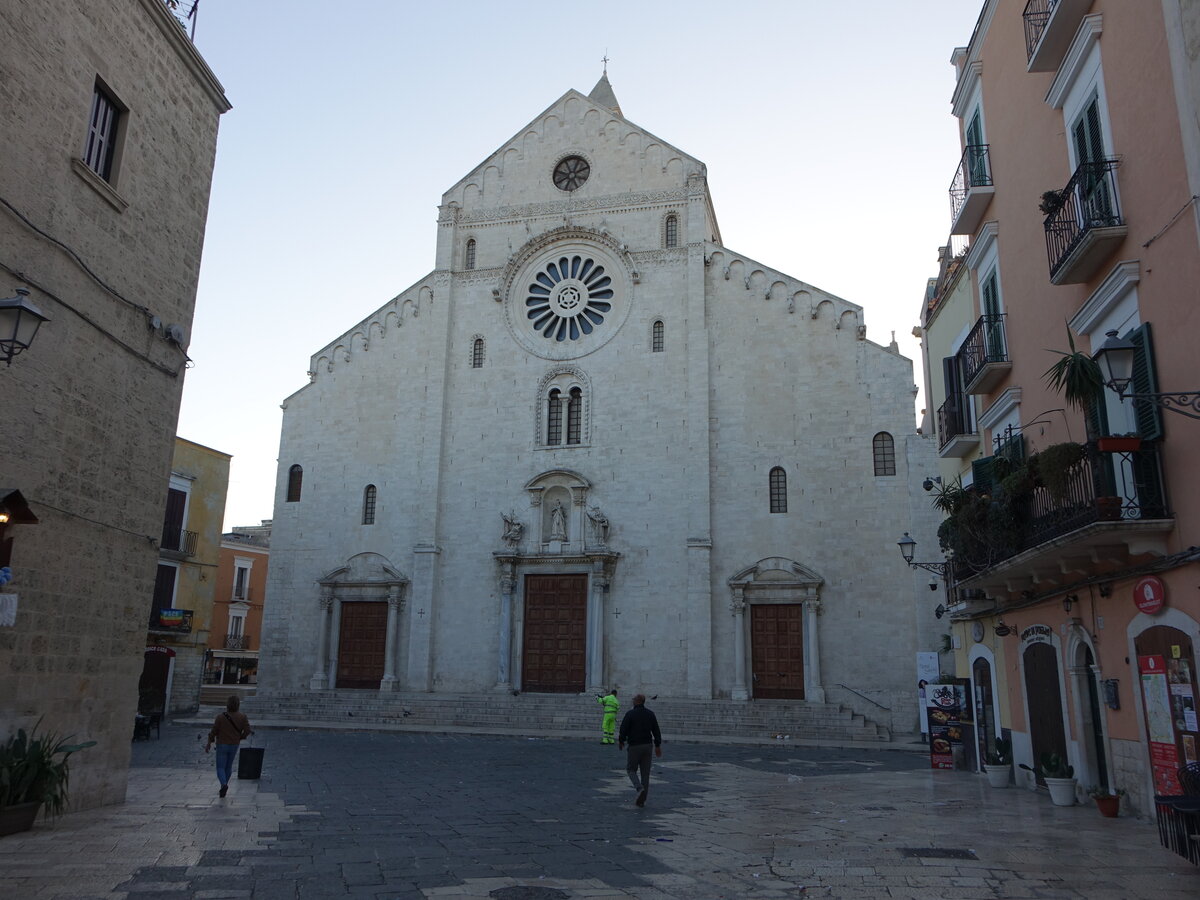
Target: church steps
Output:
[(537, 713)]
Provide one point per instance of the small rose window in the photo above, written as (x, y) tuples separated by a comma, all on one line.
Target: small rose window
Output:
[(568, 298), (571, 173)]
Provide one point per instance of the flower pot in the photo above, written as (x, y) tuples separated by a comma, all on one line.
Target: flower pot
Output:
[(1108, 509), (1109, 805), (997, 776), (1062, 791), (19, 817), (1119, 444)]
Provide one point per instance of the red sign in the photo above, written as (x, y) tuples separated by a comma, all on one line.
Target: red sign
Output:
[(1150, 594)]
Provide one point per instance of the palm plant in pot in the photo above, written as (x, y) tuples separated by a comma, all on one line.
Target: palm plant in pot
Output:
[(998, 763), (34, 772), (1059, 778), (1107, 801)]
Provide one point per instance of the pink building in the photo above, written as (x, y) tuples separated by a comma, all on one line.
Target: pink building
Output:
[(1075, 610)]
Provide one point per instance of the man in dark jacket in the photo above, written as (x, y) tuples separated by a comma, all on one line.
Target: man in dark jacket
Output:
[(639, 729)]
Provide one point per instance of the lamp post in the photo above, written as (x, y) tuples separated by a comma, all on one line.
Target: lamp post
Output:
[(908, 548), (1116, 356), (19, 322)]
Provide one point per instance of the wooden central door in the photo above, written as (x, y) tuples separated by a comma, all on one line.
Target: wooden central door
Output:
[(1046, 733), (361, 645), (554, 654), (777, 651)]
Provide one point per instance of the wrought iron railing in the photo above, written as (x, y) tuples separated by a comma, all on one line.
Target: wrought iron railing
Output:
[(179, 541), (974, 170), (953, 419), (1037, 14), (1088, 201), (1100, 487), (173, 620), (985, 344), (237, 641)]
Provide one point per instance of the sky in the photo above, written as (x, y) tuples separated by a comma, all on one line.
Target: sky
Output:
[(826, 129)]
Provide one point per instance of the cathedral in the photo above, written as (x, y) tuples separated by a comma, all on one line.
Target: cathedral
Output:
[(595, 447)]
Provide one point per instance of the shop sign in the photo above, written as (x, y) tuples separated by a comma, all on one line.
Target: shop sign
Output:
[(1156, 696), (158, 648), (944, 706), (1150, 594), (1037, 634)]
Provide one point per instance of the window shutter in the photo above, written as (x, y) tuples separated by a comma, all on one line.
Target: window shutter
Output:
[(981, 474), (1148, 415)]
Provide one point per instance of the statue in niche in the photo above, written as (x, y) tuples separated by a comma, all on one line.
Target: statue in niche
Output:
[(558, 522), (599, 526), (513, 529)]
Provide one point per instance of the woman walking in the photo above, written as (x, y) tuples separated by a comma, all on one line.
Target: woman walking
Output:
[(228, 730)]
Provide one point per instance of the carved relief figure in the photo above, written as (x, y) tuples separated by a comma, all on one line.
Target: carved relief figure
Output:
[(599, 526), (558, 522), (513, 528)]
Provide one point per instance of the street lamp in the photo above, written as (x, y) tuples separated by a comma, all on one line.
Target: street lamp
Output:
[(908, 548), (1115, 358), (19, 322)]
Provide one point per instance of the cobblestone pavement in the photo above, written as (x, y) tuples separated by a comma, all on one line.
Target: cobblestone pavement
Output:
[(377, 815)]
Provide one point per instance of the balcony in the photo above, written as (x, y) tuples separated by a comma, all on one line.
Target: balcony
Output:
[(983, 357), (1036, 533), (1084, 229), (171, 621), (178, 543), (955, 437), (971, 190), (237, 642), (1050, 26)]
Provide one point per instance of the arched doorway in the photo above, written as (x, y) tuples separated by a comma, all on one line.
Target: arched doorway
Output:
[(1043, 702), (985, 707), (1167, 667), (1087, 693)]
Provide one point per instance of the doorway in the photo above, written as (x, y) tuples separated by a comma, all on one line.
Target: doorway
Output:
[(554, 648), (1043, 699), (362, 645), (985, 708), (1167, 670), (777, 650)]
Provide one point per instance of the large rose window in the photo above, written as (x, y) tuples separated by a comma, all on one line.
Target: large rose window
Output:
[(568, 298)]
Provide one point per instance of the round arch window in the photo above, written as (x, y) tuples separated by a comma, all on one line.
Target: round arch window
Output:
[(571, 173)]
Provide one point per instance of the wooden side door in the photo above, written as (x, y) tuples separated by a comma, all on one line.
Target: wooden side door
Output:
[(777, 651), (361, 645), (1044, 700), (554, 654)]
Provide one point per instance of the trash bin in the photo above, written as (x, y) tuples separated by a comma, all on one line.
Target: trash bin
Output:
[(250, 762)]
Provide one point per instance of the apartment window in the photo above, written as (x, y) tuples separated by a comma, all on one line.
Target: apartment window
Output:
[(574, 416), (237, 624), (241, 582), (554, 418), (671, 231), (778, 485), (100, 149), (369, 495), (469, 256), (294, 483), (884, 450), (656, 337), (164, 590), (477, 353), (173, 520)]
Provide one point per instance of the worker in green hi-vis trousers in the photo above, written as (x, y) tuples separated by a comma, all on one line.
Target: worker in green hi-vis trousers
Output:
[(609, 726)]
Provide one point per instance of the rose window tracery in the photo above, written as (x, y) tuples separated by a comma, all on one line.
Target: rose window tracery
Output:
[(571, 173), (568, 298)]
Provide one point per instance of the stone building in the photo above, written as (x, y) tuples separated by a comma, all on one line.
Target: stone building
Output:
[(182, 613), (594, 446), (236, 630), (110, 125)]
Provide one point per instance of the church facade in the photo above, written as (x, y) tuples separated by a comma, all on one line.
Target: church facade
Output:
[(595, 447)]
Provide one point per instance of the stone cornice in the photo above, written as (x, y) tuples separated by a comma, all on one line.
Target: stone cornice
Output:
[(188, 53), (612, 202)]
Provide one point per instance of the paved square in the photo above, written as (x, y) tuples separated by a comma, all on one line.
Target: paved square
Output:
[(406, 815)]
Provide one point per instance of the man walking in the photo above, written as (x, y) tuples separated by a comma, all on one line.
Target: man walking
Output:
[(640, 729), (609, 725)]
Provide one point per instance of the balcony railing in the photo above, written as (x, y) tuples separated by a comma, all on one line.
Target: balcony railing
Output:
[(176, 540), (237, 642), (953, 420), (968, 200), (177, 621), (1086, 224), (1037, 15), (983, 356)]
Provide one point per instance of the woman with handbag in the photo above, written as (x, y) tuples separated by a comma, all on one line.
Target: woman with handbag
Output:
[(228, 730)]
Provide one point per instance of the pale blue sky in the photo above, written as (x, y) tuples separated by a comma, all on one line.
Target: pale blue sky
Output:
[(826, 128)]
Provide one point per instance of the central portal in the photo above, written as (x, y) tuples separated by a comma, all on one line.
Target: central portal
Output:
[(555, 641), (777, 650)]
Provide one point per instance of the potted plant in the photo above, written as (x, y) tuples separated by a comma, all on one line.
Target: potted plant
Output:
[(34, 772), (1051, 203), (1119, 443), (1076, 376), (1108, 802), (1059, 778), (998, 763)]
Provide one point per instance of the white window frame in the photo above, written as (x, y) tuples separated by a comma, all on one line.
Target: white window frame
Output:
[(245, 564)]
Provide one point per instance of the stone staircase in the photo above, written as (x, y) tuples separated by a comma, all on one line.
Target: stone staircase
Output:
[(540, 714)]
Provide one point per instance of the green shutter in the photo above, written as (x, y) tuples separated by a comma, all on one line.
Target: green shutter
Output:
[(1148, 415), (1095, 418), (981, 473)]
